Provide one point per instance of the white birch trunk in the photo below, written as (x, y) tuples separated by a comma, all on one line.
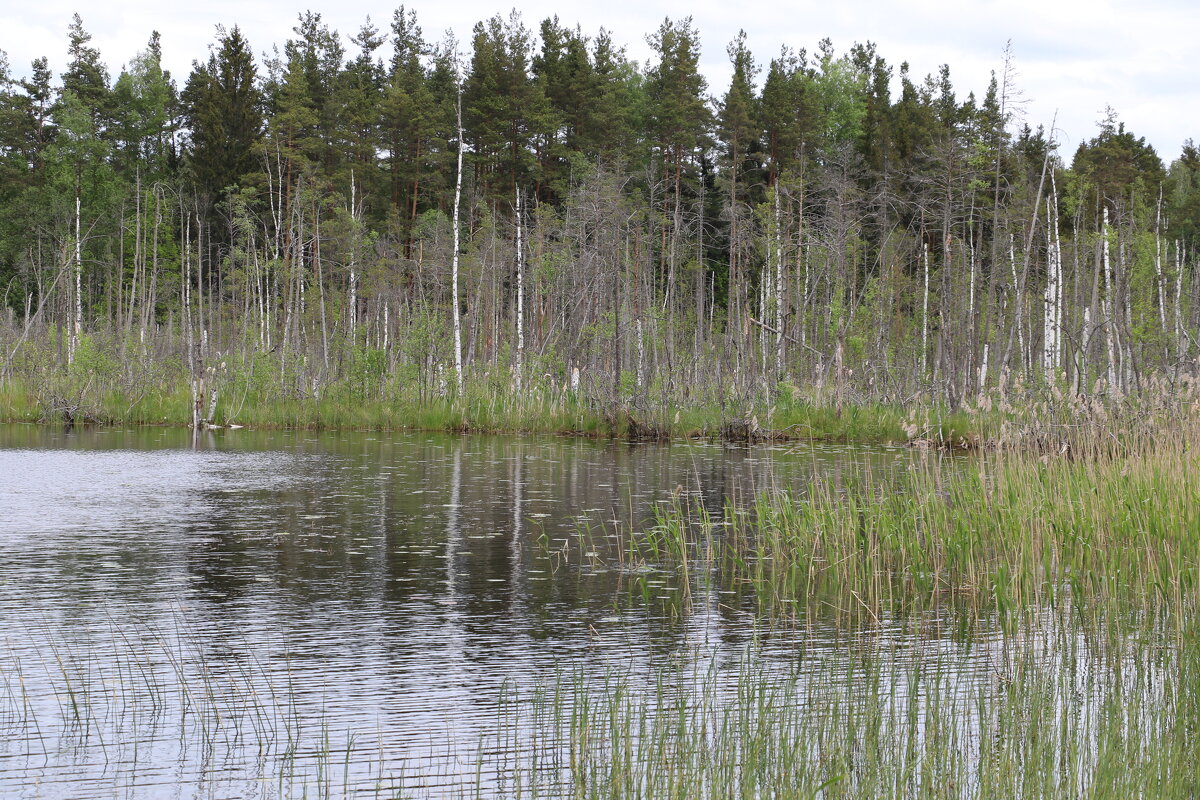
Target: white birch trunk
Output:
[(1108, 311), (353, 320), (320, 286), (1052, 300), (260, 285), (641, 344), (971, 291), (77, 328), (1158, 270), (458, 368), (983, 367), (763, 313), (779, 287), (1012, 262), (925, 313), (520, 364), (1084, 345), (1178, 299)]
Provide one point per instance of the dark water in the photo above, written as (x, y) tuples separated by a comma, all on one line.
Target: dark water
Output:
[(298, 614)]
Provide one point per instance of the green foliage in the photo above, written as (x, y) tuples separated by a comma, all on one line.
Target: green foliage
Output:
[(1118, 165), (280, 209), (223, 110)]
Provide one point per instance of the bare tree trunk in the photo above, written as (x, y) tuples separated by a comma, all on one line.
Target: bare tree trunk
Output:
[(779, 286), (925, 312), (352, 319), (1108, 310), (1181, 347), (320, 283), (458, 368), (77, 328), (1052, 300), (519, 367)]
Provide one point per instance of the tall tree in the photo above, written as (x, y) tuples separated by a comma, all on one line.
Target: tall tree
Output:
[(678, 126), (144, 99), (504, 109), (224, 115), (740, 134)]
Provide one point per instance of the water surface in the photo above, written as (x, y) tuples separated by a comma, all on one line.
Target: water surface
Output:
[(347, 614)]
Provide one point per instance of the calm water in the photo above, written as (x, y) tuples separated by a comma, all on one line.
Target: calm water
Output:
[(298, 614)]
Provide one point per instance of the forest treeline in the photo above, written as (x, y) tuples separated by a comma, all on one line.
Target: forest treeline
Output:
[(533, 206)]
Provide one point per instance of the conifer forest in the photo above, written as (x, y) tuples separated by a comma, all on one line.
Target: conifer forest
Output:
[(530, 213), (877, 411)]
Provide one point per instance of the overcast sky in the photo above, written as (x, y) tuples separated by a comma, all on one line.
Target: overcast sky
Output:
[(1073, 58)]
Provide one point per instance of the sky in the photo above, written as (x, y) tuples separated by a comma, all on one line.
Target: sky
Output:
[(1071, 59)]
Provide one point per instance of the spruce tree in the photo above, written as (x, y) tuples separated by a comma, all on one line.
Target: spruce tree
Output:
[(224, 115)]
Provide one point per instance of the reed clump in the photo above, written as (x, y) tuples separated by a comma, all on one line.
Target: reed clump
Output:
[(1008, 528), (1056, 709)]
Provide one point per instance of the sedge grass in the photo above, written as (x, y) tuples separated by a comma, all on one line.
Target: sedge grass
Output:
[(1005, 530), (1055, 709)]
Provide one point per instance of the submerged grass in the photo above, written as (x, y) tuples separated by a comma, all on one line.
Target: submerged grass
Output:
[(1009, 529), (881, 721), (1053, 710), (1067, 554), (1022, 627)]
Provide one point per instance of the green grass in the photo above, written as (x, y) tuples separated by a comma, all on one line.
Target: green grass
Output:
[(1057, 709), (481, 407), (1021, 622), (1005, 530)]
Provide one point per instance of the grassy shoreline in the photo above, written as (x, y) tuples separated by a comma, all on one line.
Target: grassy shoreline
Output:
[(480, 408), (1039, 419), (113, 381)]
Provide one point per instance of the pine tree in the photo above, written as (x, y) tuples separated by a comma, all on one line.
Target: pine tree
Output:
[(566, 78), (410, 120), (740, 135), (223, 112), (1116, 163), (619, 107), (360, 95), (86, 77), (314, 65), (505, 111)]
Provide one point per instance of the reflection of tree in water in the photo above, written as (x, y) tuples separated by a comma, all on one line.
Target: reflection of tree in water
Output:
[(495, 539)]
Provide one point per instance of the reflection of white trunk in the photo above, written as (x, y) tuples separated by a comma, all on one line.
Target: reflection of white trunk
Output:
[(518, 503), (458, 367), (453, 528)]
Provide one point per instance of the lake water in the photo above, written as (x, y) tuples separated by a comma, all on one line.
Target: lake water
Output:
[(359, 614)]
